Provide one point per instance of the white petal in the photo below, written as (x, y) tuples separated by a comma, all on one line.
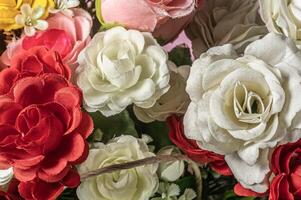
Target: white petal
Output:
[(41, 25), (29, 31), (26, 9), (251, 176)]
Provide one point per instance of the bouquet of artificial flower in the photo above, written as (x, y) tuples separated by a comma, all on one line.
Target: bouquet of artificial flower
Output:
[(150, 99)]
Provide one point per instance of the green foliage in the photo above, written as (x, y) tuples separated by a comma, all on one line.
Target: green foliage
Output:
[(114, 126), (68, 194), (180, 56), (186, 182), (158, 131)]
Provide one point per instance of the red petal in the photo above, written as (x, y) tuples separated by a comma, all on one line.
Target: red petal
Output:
[(71, 180), (241, 191)]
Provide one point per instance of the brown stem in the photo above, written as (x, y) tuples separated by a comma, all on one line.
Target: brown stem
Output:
[(133, 164)]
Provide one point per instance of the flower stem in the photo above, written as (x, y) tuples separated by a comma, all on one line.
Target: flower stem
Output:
[(133, 164)]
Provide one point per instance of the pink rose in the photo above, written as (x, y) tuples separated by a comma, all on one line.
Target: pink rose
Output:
[(165, 18), (67, 35)]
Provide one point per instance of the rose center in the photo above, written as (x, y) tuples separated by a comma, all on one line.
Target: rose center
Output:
[(248, 106)]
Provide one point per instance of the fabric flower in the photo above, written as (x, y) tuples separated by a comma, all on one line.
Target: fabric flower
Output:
[(166, 19), (243, 106), (41, 190), (38, 104), (121, 67), (67, 35), (9, 9), (5, 177), (138, 183), (191, 149), (286, 166), (170, 171), (33, 62), (64, 6), (283, 17), (175, 101), (221, 22), (31, 20)]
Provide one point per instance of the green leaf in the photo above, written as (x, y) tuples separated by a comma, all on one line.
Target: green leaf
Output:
[(158, 131), (68, 194), (186, 182), (230, 195), (180, 56), (114, 126)]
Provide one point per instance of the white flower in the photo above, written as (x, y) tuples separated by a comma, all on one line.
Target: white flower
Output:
[(120, 67), (175, 101), (221, 22), (5, 177), (64, 6), (243, 106), (170, 171), (168, 191), (138, 183), (283, 17), (30, 19)]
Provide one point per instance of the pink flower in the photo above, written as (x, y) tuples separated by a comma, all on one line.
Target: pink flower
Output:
[(67, 35), (165, 18)]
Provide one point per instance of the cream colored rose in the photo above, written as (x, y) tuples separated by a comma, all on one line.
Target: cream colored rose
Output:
[(243, 106), (283, 17), (222, 22), (121, 67), (5, 177), (173, 170), (175, 101), (138, 183)]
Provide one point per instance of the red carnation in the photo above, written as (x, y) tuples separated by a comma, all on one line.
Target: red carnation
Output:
[(42, 128), (32, 62), (286, 165), (41, 190), (192, 150)]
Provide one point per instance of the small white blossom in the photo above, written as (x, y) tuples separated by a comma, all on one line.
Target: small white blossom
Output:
[(30, 19), (64, 6)]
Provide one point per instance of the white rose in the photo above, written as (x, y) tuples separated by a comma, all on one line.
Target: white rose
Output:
[(173, 170), (175, 101), (120, 67), (283, 17), (138, 183), (243, 106), (222, 22), (5, 177)]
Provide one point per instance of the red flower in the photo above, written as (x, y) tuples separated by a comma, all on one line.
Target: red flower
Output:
[(192, 150), (54, 39), (40, 190), (42, 128), (33, 62), (286, 165)]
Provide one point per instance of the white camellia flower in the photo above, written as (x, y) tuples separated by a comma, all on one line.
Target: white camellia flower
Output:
[(173, 170), (222, 22), (283, 17), (5, 176), (243, 106), (120, 67), (175, 101), (138, 183)]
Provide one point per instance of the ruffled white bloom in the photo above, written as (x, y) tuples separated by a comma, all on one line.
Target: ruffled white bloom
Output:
[(222, 22), (170, 171), (171, 191), (283, 17), (175, 101), (64, 6), (120, 67), (30, 19), (243, 106), (5, 176), (138, 183)]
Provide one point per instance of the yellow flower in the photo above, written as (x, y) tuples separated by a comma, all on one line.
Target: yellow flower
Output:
[(9, 9)]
